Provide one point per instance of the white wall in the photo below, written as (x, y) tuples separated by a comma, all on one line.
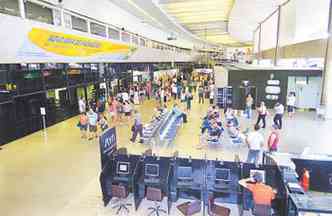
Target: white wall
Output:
[(107, 12), (300, 21)]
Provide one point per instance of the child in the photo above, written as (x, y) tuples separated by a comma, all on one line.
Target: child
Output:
[(103, 123)]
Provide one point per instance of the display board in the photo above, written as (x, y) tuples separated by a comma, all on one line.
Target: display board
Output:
[(107, 143)]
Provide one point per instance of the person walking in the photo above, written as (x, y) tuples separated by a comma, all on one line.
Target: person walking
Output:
[(137, 128), (201, 95), (249, 103), (291, 100), (92, 119), (262, 112), (279, 109), (255, 143)]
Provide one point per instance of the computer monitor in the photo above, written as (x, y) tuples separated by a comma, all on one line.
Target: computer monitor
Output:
[(122, 168), (185, 173), (262, 172), (152, 170), (223, 174)]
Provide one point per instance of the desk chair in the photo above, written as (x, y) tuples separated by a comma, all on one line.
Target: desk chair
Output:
[(190, 208), (216, 210), (262, 210), (122, 151), (120, 192), (155, 194)]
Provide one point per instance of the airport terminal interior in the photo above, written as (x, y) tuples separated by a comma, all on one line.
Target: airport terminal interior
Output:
[(165, 107)]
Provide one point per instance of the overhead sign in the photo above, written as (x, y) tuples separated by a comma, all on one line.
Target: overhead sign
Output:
[(74, 45)]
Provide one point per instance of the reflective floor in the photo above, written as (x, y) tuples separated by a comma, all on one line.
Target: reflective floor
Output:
[(57, 173)]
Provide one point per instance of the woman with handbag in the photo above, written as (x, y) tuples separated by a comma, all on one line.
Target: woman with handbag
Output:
[(137, 128)]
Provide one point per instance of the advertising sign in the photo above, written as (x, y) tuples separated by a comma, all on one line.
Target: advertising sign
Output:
[(107, 142)]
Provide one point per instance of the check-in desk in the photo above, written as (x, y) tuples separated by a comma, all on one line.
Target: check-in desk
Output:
[(188, 179), (151, 172), (222, 181), (119, 170)]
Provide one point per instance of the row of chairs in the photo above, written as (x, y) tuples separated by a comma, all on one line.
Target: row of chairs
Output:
[(120, 193)]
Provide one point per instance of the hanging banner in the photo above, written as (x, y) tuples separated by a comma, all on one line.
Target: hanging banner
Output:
[(74, 45), (107, 143)]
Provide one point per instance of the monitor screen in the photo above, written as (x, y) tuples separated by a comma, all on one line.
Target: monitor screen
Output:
[(185, 172), (123, 168), (253, 171), (152, 170), (222, 174)]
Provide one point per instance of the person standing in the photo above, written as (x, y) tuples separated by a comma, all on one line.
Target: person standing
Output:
[(291, 100), (201, 95), (249, 103), (81, 105), (262, 112), (93, 120), (83, 123), (211, 96), (279, 109), (273, 140), (189, 97), (255, 143), (137, 128)]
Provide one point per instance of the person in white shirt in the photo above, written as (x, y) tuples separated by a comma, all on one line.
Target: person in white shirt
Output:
[(279, 109), (262, 112), (255, 141), (211, 96), (125, 96), (291, 100), (81, 105)]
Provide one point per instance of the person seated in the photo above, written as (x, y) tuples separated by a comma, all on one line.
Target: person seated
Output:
[(232, 120), (262, 194), (215, 132), (206, 125), (178, 113)]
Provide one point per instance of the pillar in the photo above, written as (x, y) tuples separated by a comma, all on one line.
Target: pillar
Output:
[(326, 98), (22, 8)]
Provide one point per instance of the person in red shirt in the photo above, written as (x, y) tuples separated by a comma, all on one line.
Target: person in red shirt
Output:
[(262, 194), (273, 140)]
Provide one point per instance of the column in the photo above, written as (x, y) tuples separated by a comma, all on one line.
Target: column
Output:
[(22, 8), (327, 72), (276, 51)]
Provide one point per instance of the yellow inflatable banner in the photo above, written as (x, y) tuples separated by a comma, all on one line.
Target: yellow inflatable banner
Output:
[(75, 46)]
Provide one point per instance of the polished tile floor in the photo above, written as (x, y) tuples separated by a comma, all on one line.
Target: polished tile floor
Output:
[(56, 173)]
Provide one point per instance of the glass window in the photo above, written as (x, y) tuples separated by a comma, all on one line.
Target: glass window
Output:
[(97, 29), (10, 7), (38, 13), (142, 42), (67, 20), (135, 40), (57, 17), (125, 37), (79, 24), (114, 34)]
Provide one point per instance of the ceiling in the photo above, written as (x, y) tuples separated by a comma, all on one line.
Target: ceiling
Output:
[(206, 19), (218, 22)]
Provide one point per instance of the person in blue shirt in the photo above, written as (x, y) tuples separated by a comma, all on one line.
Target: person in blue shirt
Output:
[(92, 120)]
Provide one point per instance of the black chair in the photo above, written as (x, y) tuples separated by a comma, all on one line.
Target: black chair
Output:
[(262, 210), (120, 192), (155, 194)]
